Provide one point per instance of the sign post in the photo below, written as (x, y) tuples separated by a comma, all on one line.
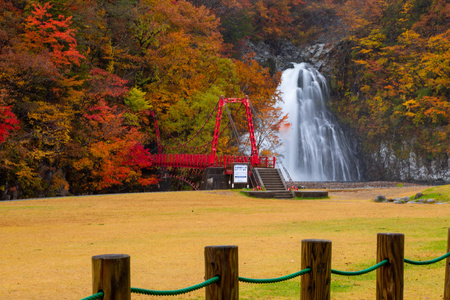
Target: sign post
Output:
[(240, 175)]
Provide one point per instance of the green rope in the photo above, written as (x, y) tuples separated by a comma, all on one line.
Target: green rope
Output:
[(176, 292), (345, 273), (99, 295), (273, 280), (428, 262)]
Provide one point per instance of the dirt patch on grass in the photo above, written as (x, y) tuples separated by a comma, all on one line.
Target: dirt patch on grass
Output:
[(47, 244)]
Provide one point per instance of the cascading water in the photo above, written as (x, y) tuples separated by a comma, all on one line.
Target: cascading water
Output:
[(315, 146)]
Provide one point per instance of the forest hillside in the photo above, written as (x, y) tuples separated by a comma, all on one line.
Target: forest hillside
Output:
[(81, 82)]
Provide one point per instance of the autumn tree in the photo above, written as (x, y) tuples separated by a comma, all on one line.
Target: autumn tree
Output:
[(46, 33), (399, 92), (113, 155)]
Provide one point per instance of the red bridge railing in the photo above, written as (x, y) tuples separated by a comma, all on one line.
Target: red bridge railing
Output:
[(202, 161)]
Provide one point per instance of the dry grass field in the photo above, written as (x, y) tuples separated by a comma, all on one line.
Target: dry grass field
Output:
[(47, 244)]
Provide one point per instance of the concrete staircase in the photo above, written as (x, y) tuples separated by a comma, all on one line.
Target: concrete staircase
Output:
[(272, 180)]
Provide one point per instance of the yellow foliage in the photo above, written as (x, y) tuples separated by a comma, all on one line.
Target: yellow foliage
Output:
[(361, 62), (27, 177), (51, 124), (409, 37), (364, 51), (410, 104), (84, 163)]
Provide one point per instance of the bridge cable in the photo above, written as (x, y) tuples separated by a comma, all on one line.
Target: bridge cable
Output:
[(182, 145), (233, 126)]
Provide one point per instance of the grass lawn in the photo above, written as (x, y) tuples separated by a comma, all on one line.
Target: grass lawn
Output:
[(47, 244)]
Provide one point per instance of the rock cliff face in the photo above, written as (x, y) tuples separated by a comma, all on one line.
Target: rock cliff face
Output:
[(317, 55), (382, 164)]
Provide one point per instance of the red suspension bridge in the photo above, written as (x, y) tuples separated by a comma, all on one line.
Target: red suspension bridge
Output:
[(203, 161)]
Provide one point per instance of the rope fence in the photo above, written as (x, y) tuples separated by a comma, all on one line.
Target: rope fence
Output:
[(111, 273)]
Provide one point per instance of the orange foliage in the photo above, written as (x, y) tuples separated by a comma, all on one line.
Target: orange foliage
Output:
[(107, 157), (43, 32)]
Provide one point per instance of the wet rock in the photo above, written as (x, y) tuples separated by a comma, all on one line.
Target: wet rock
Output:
[(418, 195), (380, 199)]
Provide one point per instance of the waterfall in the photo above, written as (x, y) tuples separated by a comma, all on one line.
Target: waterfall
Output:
[(315, 146)]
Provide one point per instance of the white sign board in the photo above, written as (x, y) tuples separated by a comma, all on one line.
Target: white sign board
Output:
[(240, 174)]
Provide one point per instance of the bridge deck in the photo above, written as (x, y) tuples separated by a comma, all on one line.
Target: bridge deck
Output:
[(202, 161)]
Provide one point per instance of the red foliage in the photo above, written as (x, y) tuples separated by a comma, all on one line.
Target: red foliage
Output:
[(8, 122), (138, 156), (104, 84)]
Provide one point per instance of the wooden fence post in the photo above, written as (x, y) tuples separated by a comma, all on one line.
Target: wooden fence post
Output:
[(222, 261), (447, 271), (111, 274), (390, 283), (316, 285)]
